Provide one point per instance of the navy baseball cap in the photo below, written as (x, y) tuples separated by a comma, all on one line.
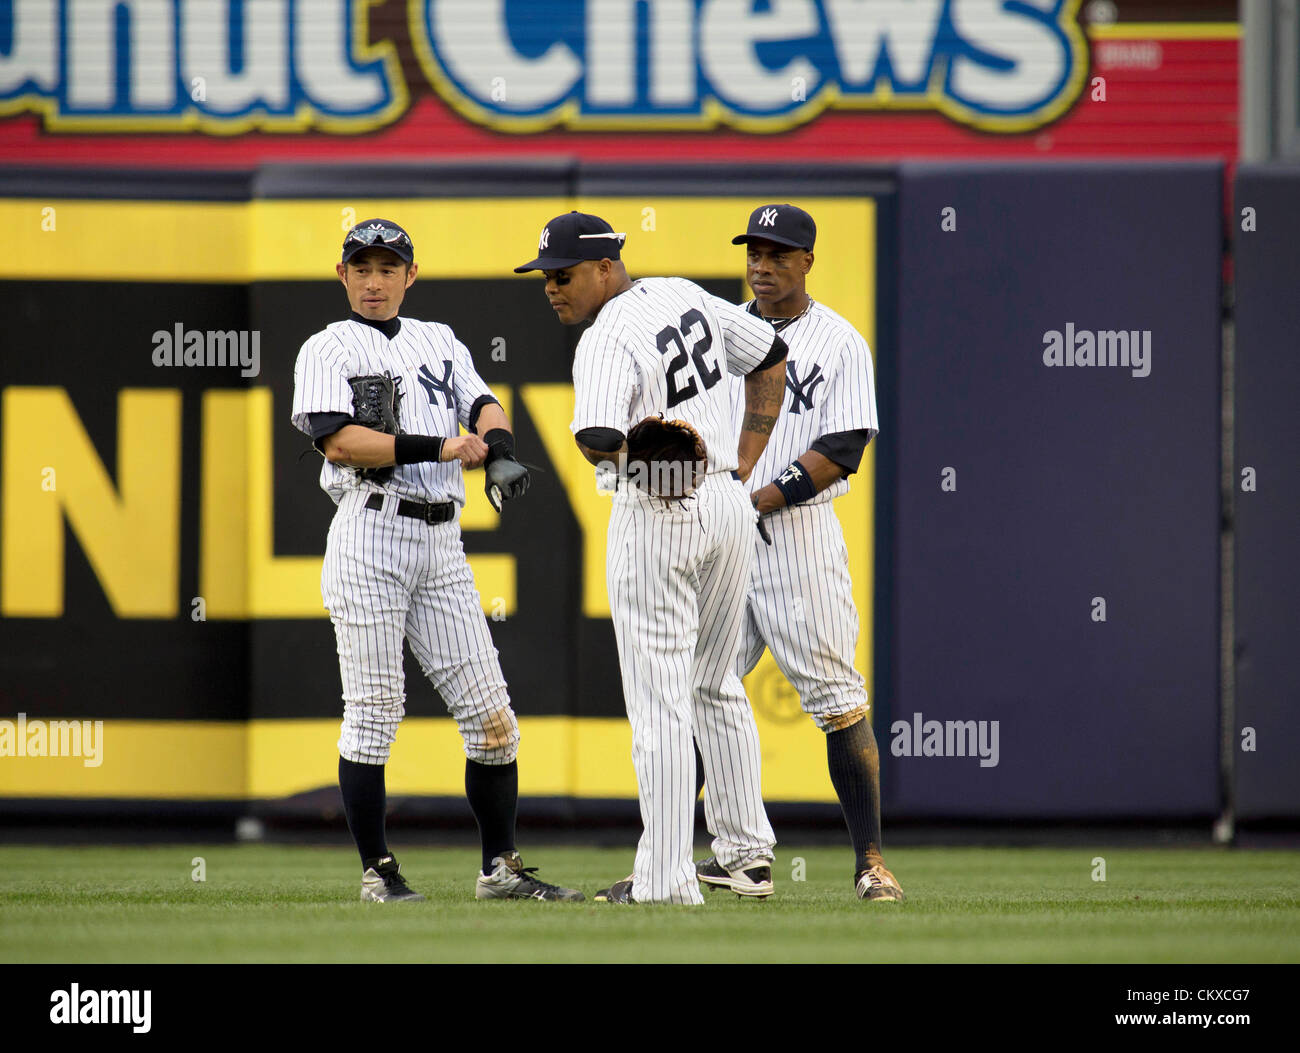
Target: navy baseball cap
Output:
[(378, 234), (571, 238), (783, 224)]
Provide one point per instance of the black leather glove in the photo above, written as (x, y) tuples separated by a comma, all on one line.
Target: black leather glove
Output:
[(504, 477)]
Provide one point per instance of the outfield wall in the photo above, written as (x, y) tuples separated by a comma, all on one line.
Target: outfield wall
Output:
[(977, 602), (1055, 539), (1265, 736), (165, 579)]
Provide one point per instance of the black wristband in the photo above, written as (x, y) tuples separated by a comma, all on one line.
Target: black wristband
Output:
[(500, 444), (408, 449), (795, 483)]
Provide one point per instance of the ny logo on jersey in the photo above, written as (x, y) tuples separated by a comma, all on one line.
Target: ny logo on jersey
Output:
[(801, 391), (768, 218), (432, 385), (545, 239)]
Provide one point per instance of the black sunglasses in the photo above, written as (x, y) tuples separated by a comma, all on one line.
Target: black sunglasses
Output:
[(371, 235)]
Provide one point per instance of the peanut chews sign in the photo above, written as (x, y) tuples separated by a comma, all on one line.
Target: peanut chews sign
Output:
[(227, 66)]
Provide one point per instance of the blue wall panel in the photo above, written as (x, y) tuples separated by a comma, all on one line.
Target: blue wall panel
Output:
[(1267, 422), (1072, 482)]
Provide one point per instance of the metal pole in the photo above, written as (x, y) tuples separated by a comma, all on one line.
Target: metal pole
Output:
[(1256, 67)]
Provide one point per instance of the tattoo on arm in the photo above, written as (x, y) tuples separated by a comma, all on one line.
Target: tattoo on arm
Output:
[(768, 386), (758, 423)]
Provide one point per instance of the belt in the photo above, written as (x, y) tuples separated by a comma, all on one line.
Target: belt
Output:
[(443, 512)]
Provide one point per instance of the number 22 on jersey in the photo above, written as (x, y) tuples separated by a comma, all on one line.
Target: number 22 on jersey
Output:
[(708, 371)]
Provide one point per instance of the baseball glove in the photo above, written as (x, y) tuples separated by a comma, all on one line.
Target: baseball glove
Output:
[(377, 403), (666, 458)]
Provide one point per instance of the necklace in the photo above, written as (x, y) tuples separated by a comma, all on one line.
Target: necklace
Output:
[(780, 323)]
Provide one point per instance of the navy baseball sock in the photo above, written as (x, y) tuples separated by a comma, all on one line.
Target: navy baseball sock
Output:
[(855, 773), (493, 792), (364, 801)]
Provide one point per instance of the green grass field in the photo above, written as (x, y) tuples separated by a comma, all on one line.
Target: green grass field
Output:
[(267, 903)]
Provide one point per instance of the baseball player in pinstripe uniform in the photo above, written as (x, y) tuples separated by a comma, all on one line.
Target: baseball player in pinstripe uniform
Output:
[(394, 566), (800, 595), (677, 569)]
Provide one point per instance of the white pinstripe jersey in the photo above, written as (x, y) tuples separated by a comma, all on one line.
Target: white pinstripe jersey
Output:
[(665, 346), (439, 388), (829, 387)]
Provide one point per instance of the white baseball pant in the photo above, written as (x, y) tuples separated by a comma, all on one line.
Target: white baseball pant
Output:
[(677, 573), (801, 607), (387, 578)]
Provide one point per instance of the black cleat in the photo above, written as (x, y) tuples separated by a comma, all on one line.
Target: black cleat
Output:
[(755, 882), (510, 879), (619, 892), (381, 883)]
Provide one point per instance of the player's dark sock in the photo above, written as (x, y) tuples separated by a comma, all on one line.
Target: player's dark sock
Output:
[(493, 793), (364, 801), (855, 773), (699, 771)]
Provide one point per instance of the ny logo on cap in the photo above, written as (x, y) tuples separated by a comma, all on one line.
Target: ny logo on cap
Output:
[(768, 218), (545, 239)]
